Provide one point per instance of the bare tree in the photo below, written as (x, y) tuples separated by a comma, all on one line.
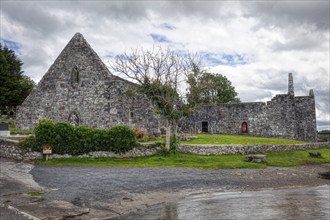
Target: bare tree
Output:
[(162, 75)]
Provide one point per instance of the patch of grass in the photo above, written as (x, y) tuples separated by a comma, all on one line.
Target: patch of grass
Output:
[(238, 139), (233, 139), (13, 130), (14, 138), (289, 158), (36, 193), (296, 158)]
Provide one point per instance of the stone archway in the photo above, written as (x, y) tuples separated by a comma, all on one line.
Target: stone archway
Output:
[(74, 119)]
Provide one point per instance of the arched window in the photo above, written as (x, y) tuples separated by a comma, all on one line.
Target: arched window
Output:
[(75, 78), (74, 119), (244, 128)]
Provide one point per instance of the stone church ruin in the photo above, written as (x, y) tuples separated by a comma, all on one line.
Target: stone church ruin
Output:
[(78, 88), (286, 115)]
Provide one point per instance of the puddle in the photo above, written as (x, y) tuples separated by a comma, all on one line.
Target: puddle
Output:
[(295, 203)]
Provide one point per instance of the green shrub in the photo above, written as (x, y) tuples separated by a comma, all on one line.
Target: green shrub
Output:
[(84, 140), (122, 139), (64, 141), (44, 133), (64, 138), (29, 143)]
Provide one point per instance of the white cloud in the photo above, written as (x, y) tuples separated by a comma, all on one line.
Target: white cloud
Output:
[(273, 37)]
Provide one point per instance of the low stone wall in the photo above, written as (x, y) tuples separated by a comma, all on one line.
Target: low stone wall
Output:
[(246, 149), (9, 149), (136, 152)]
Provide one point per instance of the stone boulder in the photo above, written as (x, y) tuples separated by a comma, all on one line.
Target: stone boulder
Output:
[(256, 158)]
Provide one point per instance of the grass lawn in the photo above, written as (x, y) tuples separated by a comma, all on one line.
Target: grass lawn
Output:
[(14, 138), (12, 128), (234, 139), (280, 159)]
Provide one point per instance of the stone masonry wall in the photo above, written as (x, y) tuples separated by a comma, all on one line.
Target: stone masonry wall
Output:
[(246, 149), (306, 118), (284, 116), (9, 149), (80, 89)]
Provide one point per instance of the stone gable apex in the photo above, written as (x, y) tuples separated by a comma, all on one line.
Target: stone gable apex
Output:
[(78, 41), (77, 54)]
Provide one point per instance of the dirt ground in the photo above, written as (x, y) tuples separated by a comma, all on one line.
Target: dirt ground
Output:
[(106, 192)]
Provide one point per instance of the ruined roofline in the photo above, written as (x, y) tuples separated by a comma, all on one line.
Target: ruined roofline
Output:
[(233, 103), (79, 35), (125, 80)]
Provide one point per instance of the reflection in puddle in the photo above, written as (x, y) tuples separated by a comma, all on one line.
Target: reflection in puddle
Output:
[(298, 203)]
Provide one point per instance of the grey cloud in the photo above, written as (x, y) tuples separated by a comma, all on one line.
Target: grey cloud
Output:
[(269, 79), (290, 13), (128, 10), (299, 43), (33, 57), (323, 125), (32, 16), (253, 94)]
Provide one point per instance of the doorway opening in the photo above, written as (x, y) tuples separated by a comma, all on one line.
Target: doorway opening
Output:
[(244, 128), (205, 127)]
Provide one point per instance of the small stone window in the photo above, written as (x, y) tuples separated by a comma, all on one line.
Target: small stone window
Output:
[(75, 77), (131, 114)]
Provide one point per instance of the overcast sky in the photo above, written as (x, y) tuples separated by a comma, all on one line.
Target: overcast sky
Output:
[(254, 44)]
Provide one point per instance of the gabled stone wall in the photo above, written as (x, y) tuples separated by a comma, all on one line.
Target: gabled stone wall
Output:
[(80, 89)]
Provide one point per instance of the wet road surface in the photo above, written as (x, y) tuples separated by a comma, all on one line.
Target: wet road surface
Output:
[(295, 203), (115, 191)]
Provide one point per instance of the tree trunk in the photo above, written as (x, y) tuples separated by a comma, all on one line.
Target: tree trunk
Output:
[(168, 135), (176, 129)]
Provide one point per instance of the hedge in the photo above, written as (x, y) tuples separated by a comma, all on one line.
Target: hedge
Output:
[(64, 138)]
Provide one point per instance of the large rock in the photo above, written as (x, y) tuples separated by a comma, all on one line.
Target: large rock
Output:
[(256, 158)]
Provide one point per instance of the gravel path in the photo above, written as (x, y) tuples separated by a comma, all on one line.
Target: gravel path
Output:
[(119, 189)]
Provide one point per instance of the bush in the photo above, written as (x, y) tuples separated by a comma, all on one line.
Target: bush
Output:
[(64, 141), (64, 138), (122, 139), (85, 142), (44, 133), (29, 143)]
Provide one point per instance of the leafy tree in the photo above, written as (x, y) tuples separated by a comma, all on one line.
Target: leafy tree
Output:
[(160, 75), (14, 86), (213, 89)]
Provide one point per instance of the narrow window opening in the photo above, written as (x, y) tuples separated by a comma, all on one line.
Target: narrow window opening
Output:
[(75, 77)]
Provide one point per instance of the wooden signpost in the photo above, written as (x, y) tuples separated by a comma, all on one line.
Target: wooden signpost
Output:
[(46, 150)]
